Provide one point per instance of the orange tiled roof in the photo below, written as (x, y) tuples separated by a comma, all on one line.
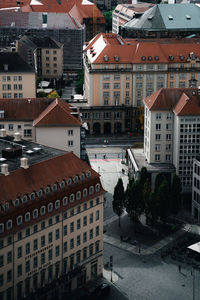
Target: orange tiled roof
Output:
[(57, 113), (141, 51), (80, 12), (183, 101)]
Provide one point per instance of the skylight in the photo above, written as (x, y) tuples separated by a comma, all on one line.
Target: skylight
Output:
[(170, 17)]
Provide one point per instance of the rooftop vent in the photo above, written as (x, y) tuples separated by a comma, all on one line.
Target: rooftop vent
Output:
[(170, 17), (188, 17), (116, 58), (17, 136), (2, 132), (12, 152), (171, 57), (150, 17), (143, 58), (192, 55), (4, 169), (181, 57), (149, 57), (5, 67), (24, 163), (106, 58), (156, 57)]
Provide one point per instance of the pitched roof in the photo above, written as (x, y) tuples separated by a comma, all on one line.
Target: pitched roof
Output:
[(58, 113), (183, 101), (14, 63), (82, 11), (140, 50), (167, 17)]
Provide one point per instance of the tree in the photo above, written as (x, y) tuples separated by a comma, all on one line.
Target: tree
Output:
[(176, 202), (108, 16), (144, 176), (53, 94), (163, 198), (151, 208), (134, 201), (41, 94), (79, 82), (118, 198)]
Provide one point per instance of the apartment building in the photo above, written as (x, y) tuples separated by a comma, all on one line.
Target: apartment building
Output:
[(51, 226), (50, 122), (119, 73), (177, 20), (172, 130), (44, 54), (123, 13), (16, 76), (196, 189)]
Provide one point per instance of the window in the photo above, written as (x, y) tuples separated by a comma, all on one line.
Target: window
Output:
[(71, 198), (57, 204), (35, 262), (27, 247), (57, 251), (158, 116), (19, 236), (71, 243), (47, 190), (91, 218), (19, 220), (169, 126), (97, 187), (35, 228), (85, 221), (57, 234), (19, 252), (70, 143), (50, 254), (27, 217), (35, 244), (78, 224), (70, 132), (1, 260), (158, 126), (19, 270), (157, 147), (91, 250), (1, 227), (84, 192), (91, 233), (42, 240), (10, 127), (97, 215), (117, 77), (9, 224), (27, 132), (65, 201), (106, 85), (42, 258), (9, 240), (78, 240), (54, 187), (168, 137), (9, 257), (43, 210), (78, 257), (1, 281), (50, 237), (9, 275), (91, 190), (168, 157), (84, 237), (72, 227), (158, 137), (157, 157), (91, 203), (116, 85), (97, 247), (85, 253), (127, 85), (57, 219), (27, 266), (168, 147), (85, 206), (50, 207)]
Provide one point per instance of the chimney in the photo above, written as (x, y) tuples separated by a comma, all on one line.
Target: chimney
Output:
[(24, 163), (17, 137), (4, 169), (2, 132)]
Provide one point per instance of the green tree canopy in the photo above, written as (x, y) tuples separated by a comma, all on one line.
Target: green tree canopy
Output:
[(176, 201), (134, 200), (118, 198), (163, 198), (79, 82)]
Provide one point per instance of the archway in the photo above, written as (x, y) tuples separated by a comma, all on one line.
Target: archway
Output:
[(107, 128), (117, 127), (96, 128)]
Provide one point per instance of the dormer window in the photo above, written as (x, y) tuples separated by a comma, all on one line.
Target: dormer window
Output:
[(69, 182), (57, 204), (116, 58), (106, 58), (9, 224), (156, 57), (82, 177), (24, 199), (71, 198), (85, 193), (78, 195), (19, 220), (149, 57), (75, 179), (88, 174), (27, 217), (35, 213), (171, 57), (16, 202), (50, 207), (39, 193), (62, 184), (1, 227), (54, 187), (2, 112), (32, 196), (143, 58), (47, 190), (97, 187), (91, 190), (42, 210), (181, 57), (65, 201), (6, 206)]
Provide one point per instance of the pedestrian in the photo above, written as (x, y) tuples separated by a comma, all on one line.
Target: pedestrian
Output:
[(179, 268)]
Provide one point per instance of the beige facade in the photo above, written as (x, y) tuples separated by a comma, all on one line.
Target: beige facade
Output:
[(35, 256), (52, 62), (64, 138), (17, 85)]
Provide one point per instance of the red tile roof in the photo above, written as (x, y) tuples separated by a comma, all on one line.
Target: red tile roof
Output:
[(83, 11), (183, 101), (57, 113), (142, 51)]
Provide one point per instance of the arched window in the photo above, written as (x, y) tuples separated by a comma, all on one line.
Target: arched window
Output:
[(24, 199), (32, 196), (65, 201), (19, 220), (75, 179), (47, 190), (35, 213), (6, 206), (71, 198), (42, 210), (1, 227), (78, 195), (27, 217), (97, 187), (62, 184), (88, 174), (39, 193), (85, 193), (57, 204), (82, 177), (91, 190), (16, 202), (9, 224), (69, 182), (54, 187), (50, 207)]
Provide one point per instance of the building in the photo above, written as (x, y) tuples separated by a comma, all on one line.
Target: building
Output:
[(51, 228), (44, 54), (196, 189), (50, 122), (165, 21), (171, 130), (17, 77), (62, 27), (123, 13), (119, 73)]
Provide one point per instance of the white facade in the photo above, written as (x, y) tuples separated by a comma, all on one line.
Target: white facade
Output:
[(196, 189)]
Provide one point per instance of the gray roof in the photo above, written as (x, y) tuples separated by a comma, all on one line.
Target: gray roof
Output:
[(14, 63), (35, 20), (42, 42), (168, 16)]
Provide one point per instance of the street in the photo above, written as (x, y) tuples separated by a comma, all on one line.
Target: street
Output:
[(139, 277)]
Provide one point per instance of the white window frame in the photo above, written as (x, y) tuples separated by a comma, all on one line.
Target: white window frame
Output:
[(27, 217), (8, 226), (65, 201), (57, 204), (19, 220), (43, 210), (50, 207)]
